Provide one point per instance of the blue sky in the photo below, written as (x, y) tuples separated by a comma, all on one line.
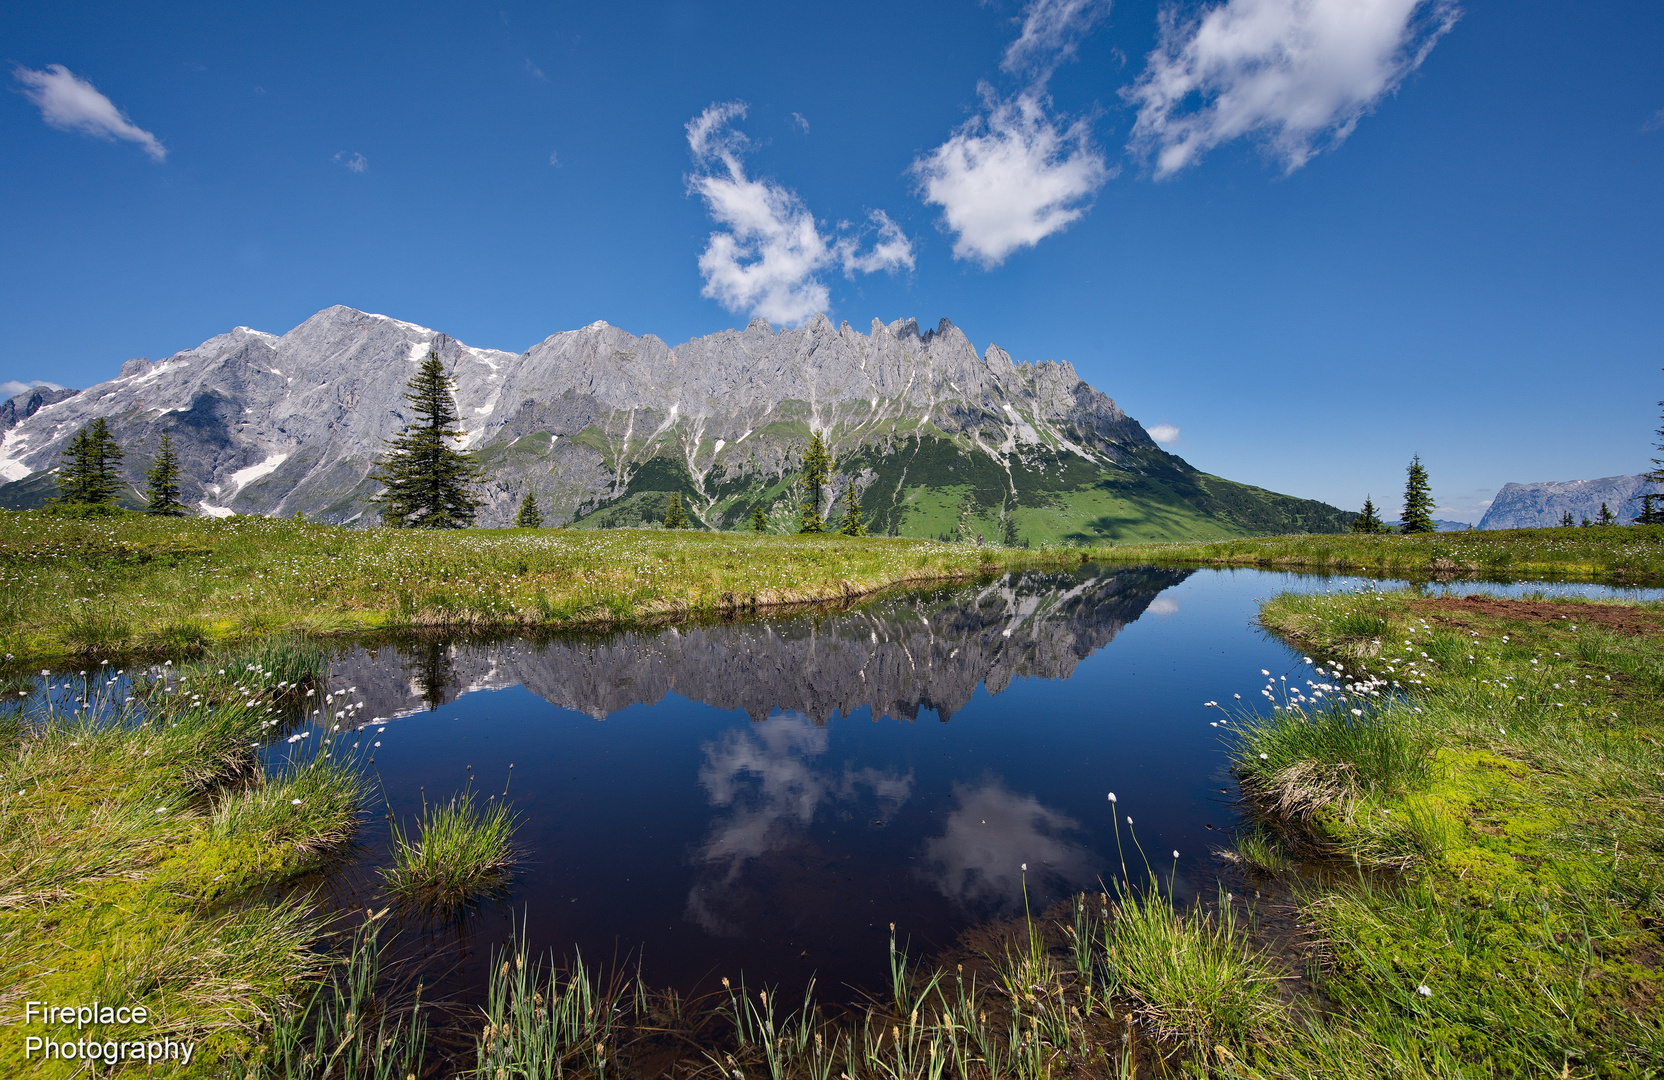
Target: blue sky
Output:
[(1314, 236)]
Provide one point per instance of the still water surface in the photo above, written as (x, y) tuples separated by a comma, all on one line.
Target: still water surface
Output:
[(767, 798)]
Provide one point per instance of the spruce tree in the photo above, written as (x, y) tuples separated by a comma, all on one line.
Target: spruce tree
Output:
[(1607, 517), (1368, 520), (1652, 502), (817, 469), (162, 481), (1566, 520), (529, 517), (429, 484), (674, 516), (89, 476), (851, 523), (759, 520), (1418, 500)]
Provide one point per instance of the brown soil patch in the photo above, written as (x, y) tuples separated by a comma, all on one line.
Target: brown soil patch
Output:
[(1616, 617)]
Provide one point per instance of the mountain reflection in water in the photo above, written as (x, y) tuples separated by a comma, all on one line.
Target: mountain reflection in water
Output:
[(894, 657), (738, 812)]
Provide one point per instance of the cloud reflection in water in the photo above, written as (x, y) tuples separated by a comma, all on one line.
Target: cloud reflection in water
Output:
[(991, 832), (770, 782)]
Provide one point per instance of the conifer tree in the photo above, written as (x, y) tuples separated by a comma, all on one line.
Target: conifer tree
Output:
[(1566, 520), (429, 482), (759, 520), (674, 516), (817, 469), (529, 517), (89, 476), (1652, 502), (162, 481), (1607, 517), (851, 523), (1418, 500), (1368, 520)]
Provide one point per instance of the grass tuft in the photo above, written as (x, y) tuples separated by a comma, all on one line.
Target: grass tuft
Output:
[(1193, 975), (457, 854)]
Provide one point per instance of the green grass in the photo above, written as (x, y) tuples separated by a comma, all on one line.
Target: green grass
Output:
[(1631, 554), (1481, 823), (1194, 978), (140, 844), (457, 853), (132, 585), (350, 1025)]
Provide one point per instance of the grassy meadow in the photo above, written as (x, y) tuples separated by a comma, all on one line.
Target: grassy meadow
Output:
[(1462, 799), (1628, 555), (129, 584), (1451, 862), (145, 846)]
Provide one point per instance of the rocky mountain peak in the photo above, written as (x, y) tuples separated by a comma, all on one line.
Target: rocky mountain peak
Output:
[(600, 421)]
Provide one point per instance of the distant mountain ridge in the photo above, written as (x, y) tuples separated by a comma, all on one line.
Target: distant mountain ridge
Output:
[(1542, 505), (602, 425)]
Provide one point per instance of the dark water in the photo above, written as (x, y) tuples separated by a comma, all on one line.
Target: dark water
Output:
[(768, 798)]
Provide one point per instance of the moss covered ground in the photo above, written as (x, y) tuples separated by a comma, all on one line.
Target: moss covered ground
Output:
[(144, 846), (1465, 799)]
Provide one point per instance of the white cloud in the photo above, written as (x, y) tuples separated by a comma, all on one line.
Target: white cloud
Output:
[(769, 253), (892, 250), (802, 124), (554, 159), (1654, 122), (535, 72), (72, 104), (1165, 434), (11, 387), (355, 162), (1051, 31), (1163, 605), (1010, 177), (1299, 74)]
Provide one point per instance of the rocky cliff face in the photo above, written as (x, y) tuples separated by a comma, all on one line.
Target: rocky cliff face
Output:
[(1541, 505), (15, 410), (602, 425), (895, 656)]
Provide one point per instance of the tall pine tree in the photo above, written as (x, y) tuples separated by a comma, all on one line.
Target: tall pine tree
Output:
[(759, 520), (1652, 502), (162, 481), (817, 470), (1418, 500), (89, 475), (674, 516), (429, 483), (529, 517), (851, 523)]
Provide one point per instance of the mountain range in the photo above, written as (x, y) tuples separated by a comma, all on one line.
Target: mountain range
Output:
[(1541, 505), (602, 425)]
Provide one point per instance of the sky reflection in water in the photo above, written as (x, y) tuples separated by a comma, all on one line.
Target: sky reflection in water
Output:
[(767, 798)]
